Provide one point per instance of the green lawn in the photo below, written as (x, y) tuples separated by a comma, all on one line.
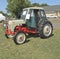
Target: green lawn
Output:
[(35, 48)]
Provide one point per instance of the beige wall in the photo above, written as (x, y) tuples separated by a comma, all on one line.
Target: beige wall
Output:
[(58, 13)]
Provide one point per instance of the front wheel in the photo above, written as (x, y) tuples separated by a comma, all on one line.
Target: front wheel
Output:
[(9, 36), (46, 30), (20, 38)]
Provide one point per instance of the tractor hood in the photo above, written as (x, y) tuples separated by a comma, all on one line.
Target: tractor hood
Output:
[(17, 22), (13, 23)]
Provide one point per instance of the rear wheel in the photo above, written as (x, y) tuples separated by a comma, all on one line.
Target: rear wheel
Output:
[(46, 30), (20, 38)]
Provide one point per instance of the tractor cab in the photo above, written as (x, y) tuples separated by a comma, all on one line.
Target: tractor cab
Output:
[(32, 16)]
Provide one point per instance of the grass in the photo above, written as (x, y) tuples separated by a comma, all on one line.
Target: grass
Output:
[(35, 48)]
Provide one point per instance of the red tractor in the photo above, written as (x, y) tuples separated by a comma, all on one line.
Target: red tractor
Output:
[(33, 21)]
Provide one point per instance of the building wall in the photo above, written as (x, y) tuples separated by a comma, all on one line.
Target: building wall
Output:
[(55, 13), (51, 14), (58, 13)]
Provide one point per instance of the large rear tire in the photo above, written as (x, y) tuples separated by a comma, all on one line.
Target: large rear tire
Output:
[(20, 38), (46, 30)]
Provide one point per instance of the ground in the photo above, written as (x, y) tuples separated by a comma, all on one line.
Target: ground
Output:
[(34, 48)]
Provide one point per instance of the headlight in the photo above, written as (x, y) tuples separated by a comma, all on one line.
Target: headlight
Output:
[(5, 25), (10, 22)]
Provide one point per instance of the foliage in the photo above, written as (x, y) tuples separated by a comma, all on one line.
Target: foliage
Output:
[(5, 14), (1, 12), (44, 5), (15, 6), (36, 4)]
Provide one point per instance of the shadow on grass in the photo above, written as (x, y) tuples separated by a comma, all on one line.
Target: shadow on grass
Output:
[(27, 41), (36, 36), (47, 37)]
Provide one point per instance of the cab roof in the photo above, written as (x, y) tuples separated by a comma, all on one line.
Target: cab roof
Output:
[(34, 8)]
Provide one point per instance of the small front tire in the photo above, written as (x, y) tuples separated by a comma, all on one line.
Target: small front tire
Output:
[(9, 36), (20, 37)]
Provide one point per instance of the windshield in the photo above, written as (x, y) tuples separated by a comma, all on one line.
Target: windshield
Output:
[(23, 15), (42, 13)]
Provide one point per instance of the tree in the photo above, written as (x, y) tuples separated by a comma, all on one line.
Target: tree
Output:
[(1, 12), (44, 5), (36, 4), (15, 6), (39, 5), (5, 14)]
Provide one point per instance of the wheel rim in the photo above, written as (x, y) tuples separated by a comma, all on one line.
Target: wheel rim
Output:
[(47, 30), (9, 36), (21, 38)]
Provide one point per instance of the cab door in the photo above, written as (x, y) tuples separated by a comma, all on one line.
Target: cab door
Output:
[(31, 23)]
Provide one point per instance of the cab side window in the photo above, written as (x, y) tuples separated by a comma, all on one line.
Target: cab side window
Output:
[(42, 13)]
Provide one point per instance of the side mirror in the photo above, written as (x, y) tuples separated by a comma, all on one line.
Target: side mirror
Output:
[(28, 16)]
